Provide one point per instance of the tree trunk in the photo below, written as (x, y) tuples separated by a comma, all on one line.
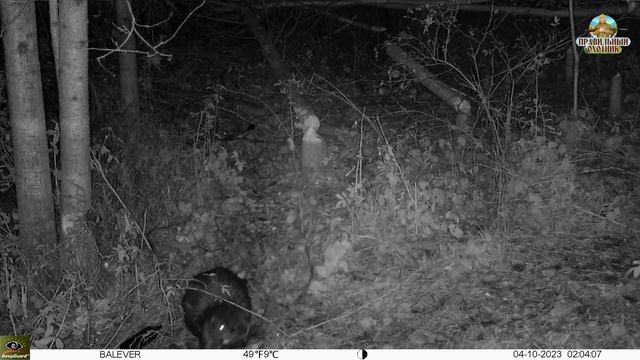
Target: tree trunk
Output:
[(128, 70), (615, 98), (74, 134), (281, 71), (55, 39), (28, 128)]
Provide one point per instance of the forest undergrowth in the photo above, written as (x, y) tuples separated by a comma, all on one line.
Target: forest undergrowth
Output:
[(417, 234)]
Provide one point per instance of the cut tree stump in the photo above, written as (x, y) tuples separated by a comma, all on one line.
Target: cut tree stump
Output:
[(314, 148)]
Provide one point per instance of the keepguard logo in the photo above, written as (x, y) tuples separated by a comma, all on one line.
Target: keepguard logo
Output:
[(602, 39), (14, 347)]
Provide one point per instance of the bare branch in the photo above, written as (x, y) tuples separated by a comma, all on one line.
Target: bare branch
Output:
[(153, 49), (464, 5), (614, 10), (353, 22)]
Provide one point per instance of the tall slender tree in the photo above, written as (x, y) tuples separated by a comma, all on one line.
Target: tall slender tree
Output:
[(74, 132), (28, 128), (128, 68)]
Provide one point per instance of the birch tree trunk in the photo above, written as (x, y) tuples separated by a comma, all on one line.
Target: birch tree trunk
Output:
[(74, 134), (28, 128)]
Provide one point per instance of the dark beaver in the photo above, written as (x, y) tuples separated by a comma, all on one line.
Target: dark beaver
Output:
[(215, 322)]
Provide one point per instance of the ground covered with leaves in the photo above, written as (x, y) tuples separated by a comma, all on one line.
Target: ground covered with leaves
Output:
[(414, 235)]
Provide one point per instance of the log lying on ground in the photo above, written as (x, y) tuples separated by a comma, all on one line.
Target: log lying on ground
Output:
[(451, 97)]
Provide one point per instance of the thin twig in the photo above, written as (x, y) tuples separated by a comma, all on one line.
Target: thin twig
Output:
[(637, 232)]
